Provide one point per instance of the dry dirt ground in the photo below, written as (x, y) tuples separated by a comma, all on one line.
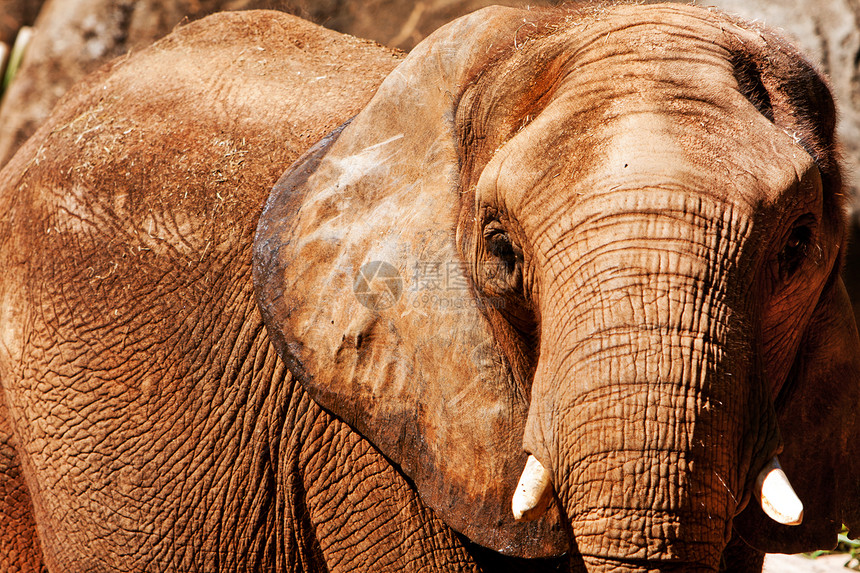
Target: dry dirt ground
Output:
[(776, 563)]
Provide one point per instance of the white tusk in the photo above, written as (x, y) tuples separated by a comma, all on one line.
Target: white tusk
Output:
[(776, 495), (533, 493)]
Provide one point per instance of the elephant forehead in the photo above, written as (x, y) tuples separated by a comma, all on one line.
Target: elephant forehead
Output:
[(651, 96), (646, 87), (734, 157), (758, 165), (634, 25)]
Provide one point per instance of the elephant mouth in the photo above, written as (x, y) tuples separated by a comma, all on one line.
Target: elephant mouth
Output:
[(600, 564), (600, 539), (773, 491), (647, 540)]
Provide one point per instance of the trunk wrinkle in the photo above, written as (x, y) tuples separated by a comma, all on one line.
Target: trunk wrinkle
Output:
[(651, 368)]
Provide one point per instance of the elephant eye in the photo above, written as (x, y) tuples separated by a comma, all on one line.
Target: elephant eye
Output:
[(500, 245), (500, 273), (796, 249), (502, 269)]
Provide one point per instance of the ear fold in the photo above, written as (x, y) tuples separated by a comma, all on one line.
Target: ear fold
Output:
[(368, 302), (820, 426)]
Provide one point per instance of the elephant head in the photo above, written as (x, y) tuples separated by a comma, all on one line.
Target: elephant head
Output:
[(602, 243)]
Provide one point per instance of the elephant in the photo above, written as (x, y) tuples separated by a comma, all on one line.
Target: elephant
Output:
[(557, 290)]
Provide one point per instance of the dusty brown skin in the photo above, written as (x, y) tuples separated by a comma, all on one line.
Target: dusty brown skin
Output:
[(828, 32), (75, 37), (150, 425), (163, 211), (151, 198)]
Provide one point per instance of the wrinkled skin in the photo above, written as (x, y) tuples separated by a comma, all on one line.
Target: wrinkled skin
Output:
[(637, 215), (75, 37), (828, 32), (221, 461), (99, 30)]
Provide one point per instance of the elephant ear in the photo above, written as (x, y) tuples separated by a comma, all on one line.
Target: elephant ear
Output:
[(817, 404), (817, 410), (366, 299)]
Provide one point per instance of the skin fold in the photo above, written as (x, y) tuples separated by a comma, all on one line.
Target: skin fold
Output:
[(303, 304)]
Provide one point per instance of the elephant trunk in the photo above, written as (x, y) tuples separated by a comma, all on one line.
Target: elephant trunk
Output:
[(659, 420), (641, 467)]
